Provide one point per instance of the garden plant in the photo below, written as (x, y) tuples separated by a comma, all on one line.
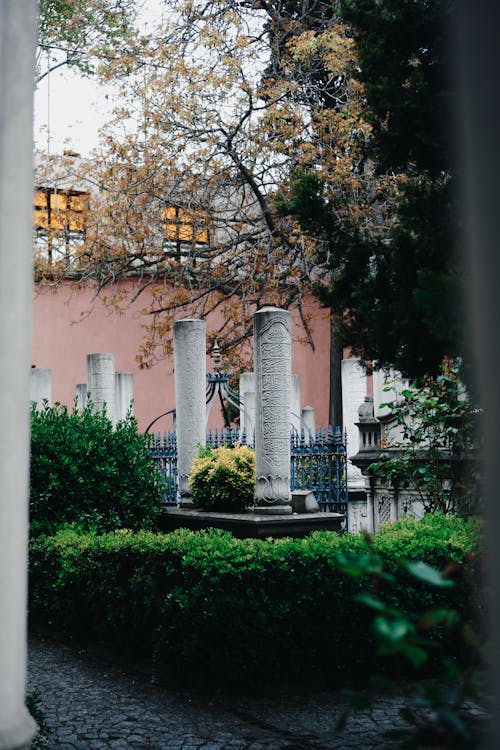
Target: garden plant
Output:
[(86, 471), (223, 479), (208, 608)]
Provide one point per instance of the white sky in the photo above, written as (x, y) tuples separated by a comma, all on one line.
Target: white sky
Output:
[(69, 109)]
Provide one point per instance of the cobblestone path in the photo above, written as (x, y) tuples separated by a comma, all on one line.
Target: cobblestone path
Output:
[(91, 705)]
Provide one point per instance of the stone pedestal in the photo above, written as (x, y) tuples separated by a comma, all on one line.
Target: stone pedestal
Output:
[(101, 382), (272, 358), (124, 395), (190, 397), (40, 386), (17, 51)]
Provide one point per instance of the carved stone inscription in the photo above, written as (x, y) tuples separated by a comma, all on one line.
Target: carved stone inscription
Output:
[(273, 394)]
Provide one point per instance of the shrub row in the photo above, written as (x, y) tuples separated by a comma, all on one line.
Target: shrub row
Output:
[(85, 471), (210, 608)]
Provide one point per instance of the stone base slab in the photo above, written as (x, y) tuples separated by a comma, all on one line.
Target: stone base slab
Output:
[(251, 524)]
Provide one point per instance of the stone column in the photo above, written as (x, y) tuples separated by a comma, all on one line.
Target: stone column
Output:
[(309, 424), (190, 397), (295, 404), (124, 394), (354, 389), (81, 396), (17, 56), (272, 357), (247, 403), (40, 386), (101, 382), (247, 420)]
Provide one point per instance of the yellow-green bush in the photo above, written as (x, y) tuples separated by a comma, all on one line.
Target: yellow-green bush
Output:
[(223, 479)]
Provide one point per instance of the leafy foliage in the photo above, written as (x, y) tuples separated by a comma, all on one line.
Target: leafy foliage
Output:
[(402, 283), (223, 479), (232, 98), (437, 715), (438, 448), (41, 740), (81, 33), (83, 470), (207, 607)]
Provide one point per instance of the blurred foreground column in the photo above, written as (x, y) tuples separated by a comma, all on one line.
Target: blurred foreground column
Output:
[(17, 54), (273, 390), (190, 397), (477, 61)]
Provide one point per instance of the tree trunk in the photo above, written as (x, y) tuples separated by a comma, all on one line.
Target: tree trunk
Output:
[(335, 406)]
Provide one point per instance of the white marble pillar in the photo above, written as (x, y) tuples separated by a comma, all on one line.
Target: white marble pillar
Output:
[(248, 416), (190, 397), (40, 386), (81, 396), (17, 55), (295, 414), (309, 424), (247, 404), (354, 386), (124, 395), (101, 382), (272, 358)]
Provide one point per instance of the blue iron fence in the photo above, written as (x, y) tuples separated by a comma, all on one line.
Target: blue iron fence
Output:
[(163, 449), (318, 463)]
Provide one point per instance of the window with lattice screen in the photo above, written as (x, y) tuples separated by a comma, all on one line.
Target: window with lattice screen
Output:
[(58, 220), (185, 229)]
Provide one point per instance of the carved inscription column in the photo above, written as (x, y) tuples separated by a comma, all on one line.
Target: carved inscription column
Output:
[(190, 397), (272, 363)]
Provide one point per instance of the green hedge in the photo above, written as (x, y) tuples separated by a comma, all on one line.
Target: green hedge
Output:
[(207, 607), (85, 471)]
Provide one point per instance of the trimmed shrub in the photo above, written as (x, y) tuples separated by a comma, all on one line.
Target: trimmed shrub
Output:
[(223, 479), (209, 608), (85, 471)]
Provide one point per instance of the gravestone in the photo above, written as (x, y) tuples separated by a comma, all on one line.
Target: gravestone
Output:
[(40, 386), (124, 394), (190, 398), (81, 396), (247, 404), (101, 382), (309, 424), (272, 365)]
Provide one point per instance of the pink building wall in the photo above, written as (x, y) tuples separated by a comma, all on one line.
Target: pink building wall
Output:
[(68, 325)]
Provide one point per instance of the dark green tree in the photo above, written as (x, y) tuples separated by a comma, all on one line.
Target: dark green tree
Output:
[(406, 306), (395, 291)]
